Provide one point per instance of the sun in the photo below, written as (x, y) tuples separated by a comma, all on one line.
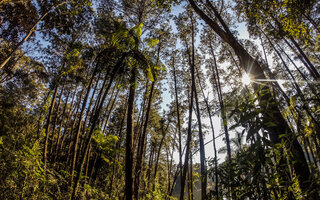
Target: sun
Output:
[(246, 80)]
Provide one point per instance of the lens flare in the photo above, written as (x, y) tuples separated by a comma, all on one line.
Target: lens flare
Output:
[(246, 80)]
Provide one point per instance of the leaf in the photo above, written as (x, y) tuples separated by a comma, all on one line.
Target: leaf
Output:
[(270, 124), (152, 42), (233, 126), (149, 74), (222, 150), (266, 141), (251, 132), (116, 37), (137, 29)]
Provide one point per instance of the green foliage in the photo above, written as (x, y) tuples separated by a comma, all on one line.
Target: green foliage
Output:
[(152, 42), (93, 54), (105, 142), (286, 17), (157, 194)]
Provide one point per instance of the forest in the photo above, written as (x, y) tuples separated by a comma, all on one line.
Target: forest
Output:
[(160, 99)]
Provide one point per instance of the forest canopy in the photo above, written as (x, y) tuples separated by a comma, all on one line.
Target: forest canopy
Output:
[(159, 99)]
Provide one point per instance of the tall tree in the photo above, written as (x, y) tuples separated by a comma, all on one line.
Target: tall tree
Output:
[(252, 67)]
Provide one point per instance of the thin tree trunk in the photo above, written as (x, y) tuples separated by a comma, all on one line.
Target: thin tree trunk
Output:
[(60, 127), (164, 132), (48, 127), (93, 168), (90, 111), (129, 137), (73, 129), (95, 120), (158, 154), (32, 29), (313, 71), (89, 114), (190, 193), (189, 133), (140, 119), (150, 164), (203, 169), (117, 146), (141, 144), (178, 114), (112, 101), (55, 120), (78, 130), (213, 138), (221, 102), (58, 146)]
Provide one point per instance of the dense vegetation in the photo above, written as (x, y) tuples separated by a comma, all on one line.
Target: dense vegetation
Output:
[(113, 99)]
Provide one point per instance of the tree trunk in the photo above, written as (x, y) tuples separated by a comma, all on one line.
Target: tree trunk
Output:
[(33, 29), (251, 66), (55, 120), (129, 136), (164, 132), (109, 112), (178, 115), (313, 71), (67, 121), (221, 102), (95, 120), (189, 134), (73, 129), (213, 138), (78, 130), (141, 145), (53, 101), (90, 111), (60, 127), (203, 169)]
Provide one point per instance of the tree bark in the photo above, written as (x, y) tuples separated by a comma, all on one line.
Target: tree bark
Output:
[(213, 138), (78, 130), (60, 127), (141, 145), (203, 165), (189, 134), (178, 115), (129, 137), (313, 71), (95, 120), (55, 120), (45, 152)]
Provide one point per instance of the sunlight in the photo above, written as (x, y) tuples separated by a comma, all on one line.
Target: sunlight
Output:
[(246, 80)]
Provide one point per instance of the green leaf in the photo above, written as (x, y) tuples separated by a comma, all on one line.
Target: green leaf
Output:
[(233, 126), (149, 74), (266, 141), (251, 132), (270, 124), (152, 42), (137, 29)]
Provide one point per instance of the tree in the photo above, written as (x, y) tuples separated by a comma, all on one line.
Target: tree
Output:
[(252, 67), (97, 95)]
